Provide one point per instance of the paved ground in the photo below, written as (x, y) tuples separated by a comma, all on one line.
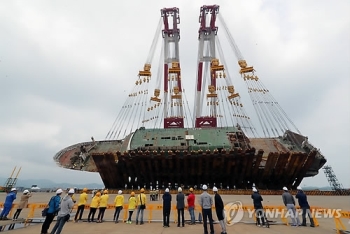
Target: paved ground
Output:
[(246, 226)]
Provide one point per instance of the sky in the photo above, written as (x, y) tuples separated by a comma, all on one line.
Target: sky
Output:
[(66, 68)]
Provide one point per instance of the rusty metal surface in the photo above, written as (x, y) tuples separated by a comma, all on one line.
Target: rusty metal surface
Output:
[(229, 169)]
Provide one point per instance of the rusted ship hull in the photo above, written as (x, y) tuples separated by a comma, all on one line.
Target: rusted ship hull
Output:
[(269, 163)]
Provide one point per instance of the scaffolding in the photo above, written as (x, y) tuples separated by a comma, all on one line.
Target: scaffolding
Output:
[(333, 181)]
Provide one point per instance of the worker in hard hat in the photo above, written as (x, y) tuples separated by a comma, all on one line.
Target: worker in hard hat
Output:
[(257, 202), (289, 202), (53, 208), (304, 205), (64, 213), (166, 207), (93, 206), (141, 205), (131, 206), (81, 205), (206, 202), (190, 204), (180, 206), (103, 206), (23, 203), (10, 197), (219, 208), (119, 202)]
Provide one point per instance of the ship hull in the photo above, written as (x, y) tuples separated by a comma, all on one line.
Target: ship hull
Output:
[(155, 158)]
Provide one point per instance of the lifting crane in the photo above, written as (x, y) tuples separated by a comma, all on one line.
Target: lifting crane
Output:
[(11, 181)]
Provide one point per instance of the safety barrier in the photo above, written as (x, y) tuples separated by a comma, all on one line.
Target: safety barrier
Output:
[(336, 213), (247, 192)]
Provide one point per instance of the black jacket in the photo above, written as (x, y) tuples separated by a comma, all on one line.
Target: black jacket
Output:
[(302, 199), (166, 201), (257, 199), (219, 206)]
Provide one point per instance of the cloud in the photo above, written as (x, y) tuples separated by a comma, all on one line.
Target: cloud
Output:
[(66, 69)]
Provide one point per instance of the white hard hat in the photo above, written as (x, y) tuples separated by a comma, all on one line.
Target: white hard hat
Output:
[(299, 188), (179, 189), (285, 189), (205, 187), (26, 191), (215, 189), (71, 191), (166, 190), (13, 189), (120, 192), (255, 190), (59, 191)]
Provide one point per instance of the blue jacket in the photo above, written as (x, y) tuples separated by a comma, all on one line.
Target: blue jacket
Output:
[(302, 199), (11, 196), (54, 204)]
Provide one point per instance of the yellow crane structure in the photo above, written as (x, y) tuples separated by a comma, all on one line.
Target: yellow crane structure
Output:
[(12, 180)]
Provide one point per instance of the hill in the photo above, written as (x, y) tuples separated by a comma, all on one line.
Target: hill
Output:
[(44, 183)]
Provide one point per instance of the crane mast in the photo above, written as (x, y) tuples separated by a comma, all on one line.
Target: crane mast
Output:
[(173, 110), (208, 66)]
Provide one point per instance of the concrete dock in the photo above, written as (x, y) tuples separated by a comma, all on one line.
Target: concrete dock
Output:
[(246, 224)]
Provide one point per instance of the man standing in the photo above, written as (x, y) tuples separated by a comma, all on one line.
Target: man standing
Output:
[(64, 213), (304, 205), (257, 199), (54, 206), (103, 206), (10, 197), (166, 207), (206, 202), (180, 206), (23, 203), (81, 205), (119, 202), (141, 205), (289, 202), (219, 208), (190, 204)]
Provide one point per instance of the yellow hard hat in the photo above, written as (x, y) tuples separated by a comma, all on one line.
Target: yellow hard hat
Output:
[(132, 194), (85, 189), (98, 194), (191, 189), (142, 190), (105, 192)]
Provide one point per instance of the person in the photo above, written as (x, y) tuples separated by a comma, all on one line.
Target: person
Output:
[(257, 199), (81, 205), (132, 206), (93, 192), (22, 204), (10, 197), (119, 202), (190, 204), (180, 206), (103, 206), (141, 205), (64, 213), (95, 202), (54, 207), (304, 205), (289, 202), (166, 207), (206, 203), (219, 208)]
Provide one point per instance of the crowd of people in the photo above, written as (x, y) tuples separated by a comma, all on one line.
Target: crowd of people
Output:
[(289, 202), (62, 207)]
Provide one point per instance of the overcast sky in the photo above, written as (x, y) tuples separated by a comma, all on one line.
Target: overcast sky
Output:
[(66, 68)]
